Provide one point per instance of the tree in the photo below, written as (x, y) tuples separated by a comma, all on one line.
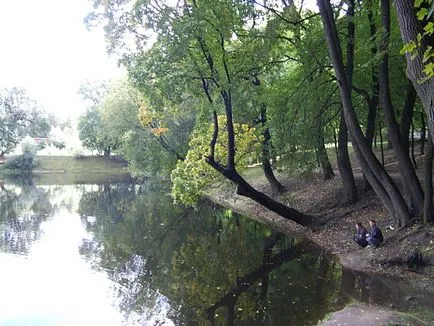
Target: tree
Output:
[(193, 176), (194, 44), (409, 177), (343, 158), (90, 125), (211, 52), (379, 179), (121, 118), (19, 116), (419, 31), (92, 133)]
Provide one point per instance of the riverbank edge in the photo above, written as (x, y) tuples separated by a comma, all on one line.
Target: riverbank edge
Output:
[(352, 259)]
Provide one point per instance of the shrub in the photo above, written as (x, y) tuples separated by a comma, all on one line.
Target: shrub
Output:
[(59, 144), (24, 162), (78, 155)]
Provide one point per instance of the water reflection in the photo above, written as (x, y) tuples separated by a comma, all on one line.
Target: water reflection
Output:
[(208, 265), (123, 254), (22, 210)]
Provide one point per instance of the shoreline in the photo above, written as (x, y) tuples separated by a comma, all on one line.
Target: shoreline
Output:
[(336, 241), (364, 263)]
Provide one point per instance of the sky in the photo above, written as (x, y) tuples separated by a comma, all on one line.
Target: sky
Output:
[(46, 49)]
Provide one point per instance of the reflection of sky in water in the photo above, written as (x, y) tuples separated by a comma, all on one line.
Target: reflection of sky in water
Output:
[(54, 285)]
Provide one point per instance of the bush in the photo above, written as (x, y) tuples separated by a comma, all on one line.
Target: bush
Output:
[(79, 155), (59, 144), (24, 162)]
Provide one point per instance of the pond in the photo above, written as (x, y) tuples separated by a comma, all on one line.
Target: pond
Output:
[(124, 254)]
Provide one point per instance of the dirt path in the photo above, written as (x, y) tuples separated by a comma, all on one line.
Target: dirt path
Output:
[(364, 315)]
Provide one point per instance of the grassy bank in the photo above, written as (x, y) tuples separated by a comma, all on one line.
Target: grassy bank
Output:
[(70, 164), (61, 170)]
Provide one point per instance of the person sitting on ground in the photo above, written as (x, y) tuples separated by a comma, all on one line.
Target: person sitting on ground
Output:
[(360, 237), (375, 237)]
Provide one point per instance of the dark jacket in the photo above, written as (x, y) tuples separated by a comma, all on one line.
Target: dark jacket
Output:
[(361, 233), (376, 233)]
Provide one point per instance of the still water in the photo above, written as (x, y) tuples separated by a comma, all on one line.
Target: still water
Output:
[(124, 254)]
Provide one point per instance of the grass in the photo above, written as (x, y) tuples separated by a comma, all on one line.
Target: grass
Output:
[(62, 170), (70, 164)]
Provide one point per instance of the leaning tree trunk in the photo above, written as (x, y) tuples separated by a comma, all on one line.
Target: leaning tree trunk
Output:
[(228, 170), (379, 179), (243, 187), (343, 158), (246, 281), (410, 27), (276, 186), (409, 178)]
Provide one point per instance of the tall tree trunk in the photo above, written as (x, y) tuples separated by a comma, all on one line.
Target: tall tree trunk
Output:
[(373, 100), (343, 159), (380, 127), (379, 179), (409, 178), (349, 195), (335, 139), (407, 114), (276, 186), (410, 27), (427, 207), (422, 133), (413, 157), (375, 139), (321, 151)]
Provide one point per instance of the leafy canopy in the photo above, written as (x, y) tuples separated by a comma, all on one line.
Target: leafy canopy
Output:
[(193, 175), (19, 117)]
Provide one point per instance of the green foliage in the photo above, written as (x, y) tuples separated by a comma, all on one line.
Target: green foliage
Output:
[(424, 10), (24, 162), (113, 123), (79, 155), (208, 48), (59, 144), (18, 227), (19, 116), (193, 175), (40, 124), (92, 132)]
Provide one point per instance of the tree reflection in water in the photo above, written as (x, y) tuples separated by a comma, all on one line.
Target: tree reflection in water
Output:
[(23, 207), (203, 266), (190, 264)]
